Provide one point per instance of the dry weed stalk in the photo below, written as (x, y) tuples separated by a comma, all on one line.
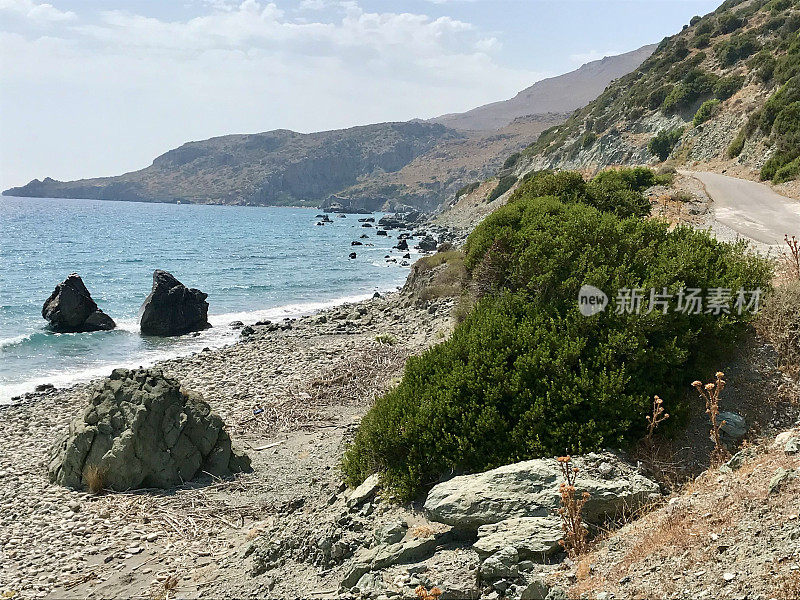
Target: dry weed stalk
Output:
[(95, 478), (654, 420), (710, 393), (424, 594), (575, 540), (792, 256), (164, 591)]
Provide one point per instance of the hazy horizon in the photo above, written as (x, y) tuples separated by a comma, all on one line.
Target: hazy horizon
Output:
[(98, 88)]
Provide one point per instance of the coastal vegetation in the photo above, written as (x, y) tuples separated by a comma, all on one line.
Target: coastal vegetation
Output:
[(526, 374)]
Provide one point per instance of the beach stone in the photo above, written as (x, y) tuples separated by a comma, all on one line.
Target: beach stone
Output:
[(427, 244), (530, 489), (532, 537), (70, 308), (142, 430), (172, 308)]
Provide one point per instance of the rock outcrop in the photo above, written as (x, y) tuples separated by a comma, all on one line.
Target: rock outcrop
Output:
[(142, 430), (70, 308), (172, 308), (530, 489)]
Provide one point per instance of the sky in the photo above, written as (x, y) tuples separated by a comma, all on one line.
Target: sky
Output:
[(100, 87)]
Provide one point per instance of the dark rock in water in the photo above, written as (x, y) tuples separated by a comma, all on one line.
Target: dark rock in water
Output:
[(352, 255), (70, 308), (141, 429), (382, 232), (264, 322), (427, 244), (247, 330), (236, 325), (172, 308), (366, 224), (356, 244), (364, 236), (376, 295), (402, 245), (44, 387), (406, 255), (341, 216)]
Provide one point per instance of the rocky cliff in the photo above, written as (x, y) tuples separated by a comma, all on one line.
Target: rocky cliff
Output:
[(723, 91), (421, 164)]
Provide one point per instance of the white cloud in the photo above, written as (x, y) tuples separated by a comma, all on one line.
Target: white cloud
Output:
[(131, 86), (36, 12)]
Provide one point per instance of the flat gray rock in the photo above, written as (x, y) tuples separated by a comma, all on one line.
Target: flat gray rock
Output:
[(530, 489), (534, 538)]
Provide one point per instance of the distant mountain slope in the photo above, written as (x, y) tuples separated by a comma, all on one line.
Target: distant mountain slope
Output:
[(416, 163), (724, 92), (564, 93), (273, 168)]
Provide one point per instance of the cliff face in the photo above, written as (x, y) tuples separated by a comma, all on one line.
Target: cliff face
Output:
[(416, 163), (273, 168), (723, 92)]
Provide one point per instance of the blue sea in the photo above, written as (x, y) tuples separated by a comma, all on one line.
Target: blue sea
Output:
[(253, 262)]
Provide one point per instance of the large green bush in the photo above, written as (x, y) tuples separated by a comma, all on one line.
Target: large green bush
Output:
[(525, 375), (705, 112), (662, 144)]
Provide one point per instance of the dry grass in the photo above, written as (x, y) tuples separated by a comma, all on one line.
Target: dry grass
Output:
[(357, 377), (165, 590), (95, 477), (575, 540), (791, 257), (779, 323), (710, 394), (789, 584)]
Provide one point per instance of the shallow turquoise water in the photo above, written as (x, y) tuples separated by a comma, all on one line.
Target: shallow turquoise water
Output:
[(253, 262)]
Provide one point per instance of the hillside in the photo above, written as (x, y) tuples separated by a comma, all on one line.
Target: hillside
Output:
[(724, 92), (416, 163), (564, 93)]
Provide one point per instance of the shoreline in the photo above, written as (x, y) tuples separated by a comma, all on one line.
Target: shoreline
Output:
[(56, 542), (220, 335)]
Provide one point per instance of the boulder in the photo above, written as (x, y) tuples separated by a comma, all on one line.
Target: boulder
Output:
[(427, 244), (172, 308), (70, 308), (530, 489), (734, 427), (503, 563), (141, 429), (533, 538), (402, 245)]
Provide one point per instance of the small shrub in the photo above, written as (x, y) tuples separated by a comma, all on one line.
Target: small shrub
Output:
[(701, 40), (707, 110), (467, 189), (710, 394), (503, 185), (575, 540), (735, 49), (728, 86), (664, 142), (737, 145), (95, 477), (386, 338), (791, 256), (728, 23), (657, 417), (779, 323), (511, 161), (695, 20)]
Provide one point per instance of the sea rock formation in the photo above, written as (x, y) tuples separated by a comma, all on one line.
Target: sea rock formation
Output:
[(141, 429), (531, 489), (172, 308), (70, 308)]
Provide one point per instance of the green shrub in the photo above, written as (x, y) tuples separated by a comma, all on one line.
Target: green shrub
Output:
[(737, 145), (696, 84), (787, 172), (735, 49), (728, 23), (694, 20), (525, 375), (587, 139), (763, 64), (503, 185), (702, 40), (467, 189), (511, 161), (705, 112), (728, 86), (664, 142)]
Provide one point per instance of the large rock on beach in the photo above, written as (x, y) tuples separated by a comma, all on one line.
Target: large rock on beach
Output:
[(172, 308), (531, 489), (70, 308), (141, 430)]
